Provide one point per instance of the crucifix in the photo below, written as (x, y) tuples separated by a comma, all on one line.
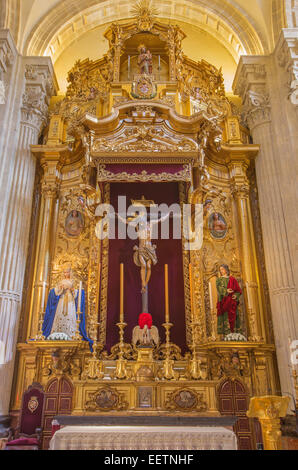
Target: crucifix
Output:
[(145, 252)]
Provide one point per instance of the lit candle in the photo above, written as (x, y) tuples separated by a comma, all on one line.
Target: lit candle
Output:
[(249, 304), (129, 66), (80, 297), (210, 295), (43, 297), (121, 293), (167, 294), (159, 62)]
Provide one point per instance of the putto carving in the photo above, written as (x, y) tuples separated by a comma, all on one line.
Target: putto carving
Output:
[(228, 364)]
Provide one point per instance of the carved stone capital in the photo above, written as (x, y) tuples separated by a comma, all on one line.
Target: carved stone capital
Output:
[(251, 84), (286, 54), (40, 86), (7, 51)]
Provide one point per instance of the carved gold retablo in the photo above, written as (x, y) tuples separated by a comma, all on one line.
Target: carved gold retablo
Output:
[(269, 410)]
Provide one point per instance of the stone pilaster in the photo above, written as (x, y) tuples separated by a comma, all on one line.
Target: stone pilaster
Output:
[(7, 58), (29, 107), (263, 108), (286, 55)]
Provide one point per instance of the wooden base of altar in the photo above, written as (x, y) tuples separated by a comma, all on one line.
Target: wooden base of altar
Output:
[(78, 384)]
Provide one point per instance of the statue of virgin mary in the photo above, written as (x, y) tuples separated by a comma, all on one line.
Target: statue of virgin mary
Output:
[(60, 321)]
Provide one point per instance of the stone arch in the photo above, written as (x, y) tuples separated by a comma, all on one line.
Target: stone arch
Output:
[(68, 20)]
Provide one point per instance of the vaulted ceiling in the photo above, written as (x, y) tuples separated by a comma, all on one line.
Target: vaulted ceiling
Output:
[(219, 31)]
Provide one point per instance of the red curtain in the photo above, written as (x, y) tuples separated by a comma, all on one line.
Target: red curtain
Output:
[(168, 252)]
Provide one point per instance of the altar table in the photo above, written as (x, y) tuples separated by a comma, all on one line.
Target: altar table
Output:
[(143, 438)]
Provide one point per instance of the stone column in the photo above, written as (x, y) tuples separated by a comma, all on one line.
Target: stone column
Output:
[(29, 106), (275, 165)]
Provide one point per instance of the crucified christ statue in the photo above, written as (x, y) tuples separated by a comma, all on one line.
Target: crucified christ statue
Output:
[(145, 253)]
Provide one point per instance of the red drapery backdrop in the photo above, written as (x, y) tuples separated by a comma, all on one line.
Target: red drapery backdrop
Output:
[(168, 252)]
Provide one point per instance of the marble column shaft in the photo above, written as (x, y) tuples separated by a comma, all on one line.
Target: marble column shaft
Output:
[(272, 119), (25, 110)]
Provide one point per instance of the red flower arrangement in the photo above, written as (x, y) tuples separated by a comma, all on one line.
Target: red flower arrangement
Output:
[(145, 319)]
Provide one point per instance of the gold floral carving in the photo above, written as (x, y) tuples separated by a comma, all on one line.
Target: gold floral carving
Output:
[(144, 138), (144, 176)]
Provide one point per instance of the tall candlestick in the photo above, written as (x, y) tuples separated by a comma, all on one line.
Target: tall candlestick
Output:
[(167, 294), (121, 293), (80, 297), (129, 66), (210, 295)]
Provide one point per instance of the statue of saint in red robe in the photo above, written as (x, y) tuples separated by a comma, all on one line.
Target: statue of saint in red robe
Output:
[(228, 289)]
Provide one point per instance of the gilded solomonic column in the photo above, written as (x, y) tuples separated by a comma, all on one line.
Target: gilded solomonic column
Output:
[(253, 84), (31, 98)]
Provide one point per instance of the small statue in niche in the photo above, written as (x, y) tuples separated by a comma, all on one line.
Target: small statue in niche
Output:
[(74, 224), (229, 292), (60, 321), (145, 61)]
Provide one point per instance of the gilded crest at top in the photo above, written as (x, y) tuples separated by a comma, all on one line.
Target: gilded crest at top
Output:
[(144, 12)]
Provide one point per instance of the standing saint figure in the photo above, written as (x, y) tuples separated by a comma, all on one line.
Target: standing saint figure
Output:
[(229, 293), (145, 60), (61, 312)]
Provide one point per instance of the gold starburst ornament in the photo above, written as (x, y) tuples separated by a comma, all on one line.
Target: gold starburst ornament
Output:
[(144, 12)]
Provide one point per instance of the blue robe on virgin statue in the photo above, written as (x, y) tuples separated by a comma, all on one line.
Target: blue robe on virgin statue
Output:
[(59, 320)]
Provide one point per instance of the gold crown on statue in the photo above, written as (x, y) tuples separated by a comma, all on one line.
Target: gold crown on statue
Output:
[(141, 46)]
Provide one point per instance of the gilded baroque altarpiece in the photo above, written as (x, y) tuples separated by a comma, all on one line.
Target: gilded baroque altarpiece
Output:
[(168, 122)]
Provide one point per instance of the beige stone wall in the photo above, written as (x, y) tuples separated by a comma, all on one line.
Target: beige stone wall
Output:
[(268, 86)]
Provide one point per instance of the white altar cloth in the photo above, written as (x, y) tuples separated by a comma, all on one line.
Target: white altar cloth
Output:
[(143, 438)]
